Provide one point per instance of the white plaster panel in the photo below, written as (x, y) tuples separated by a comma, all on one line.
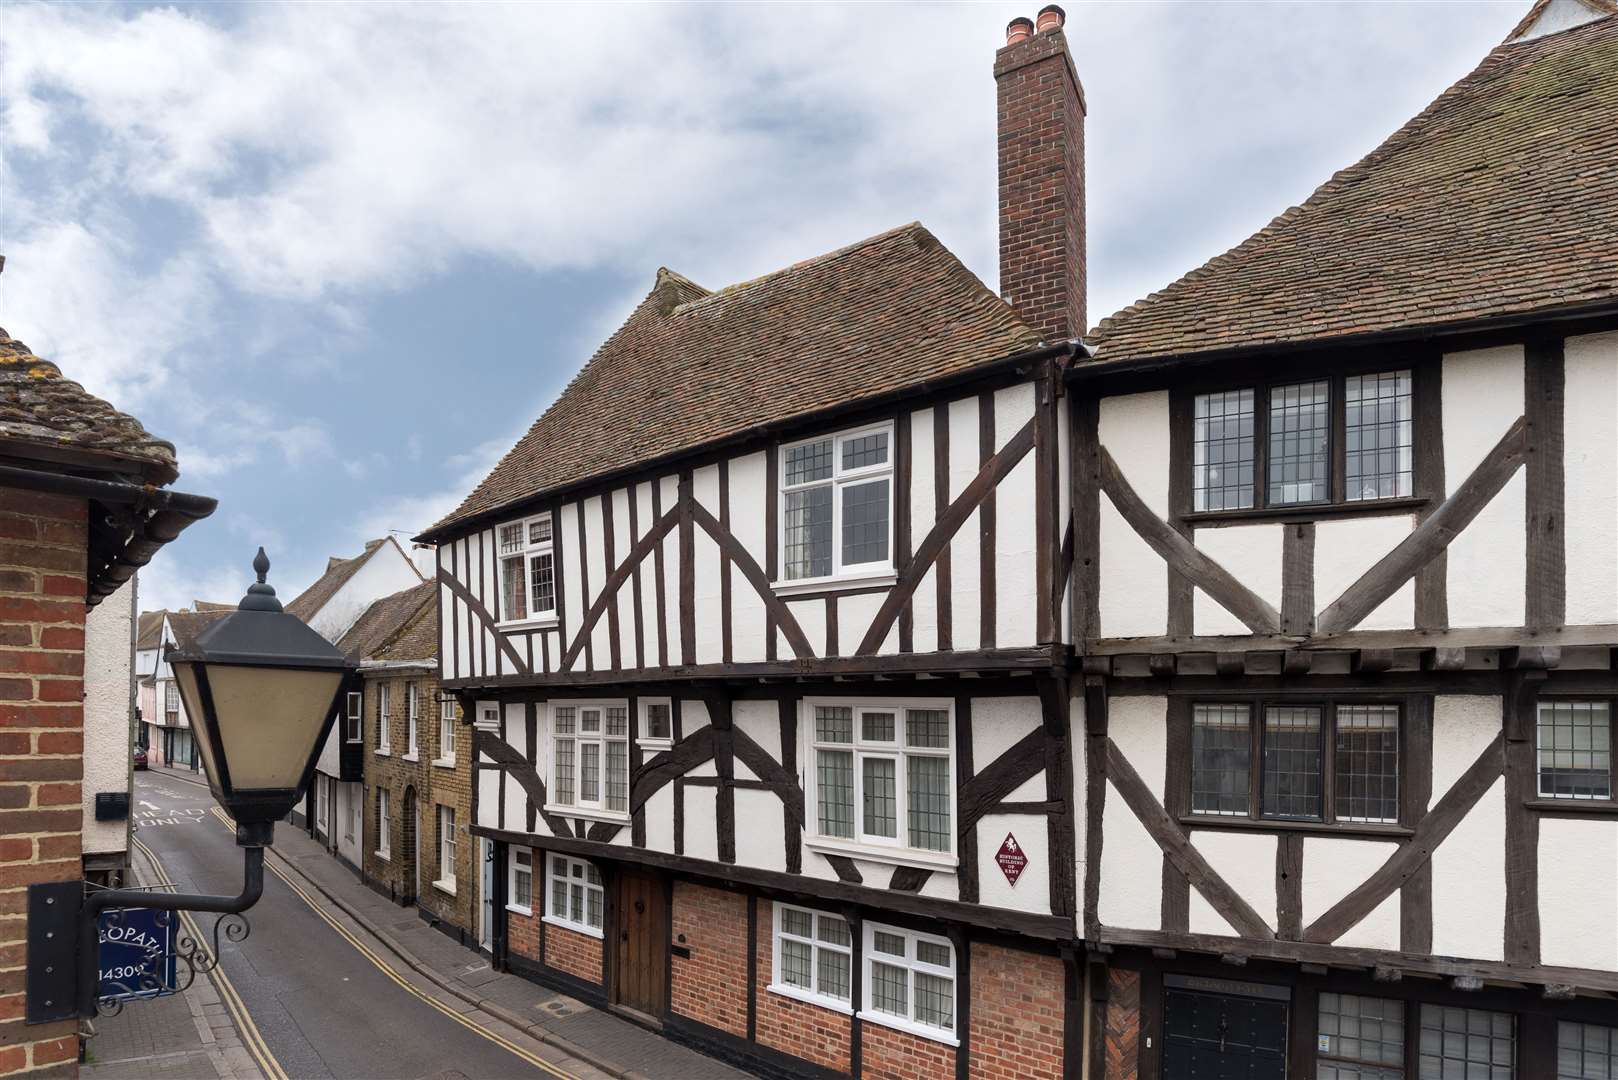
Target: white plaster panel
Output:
[(693, 716), (924, 601), (1016, 580), (464, 619), (648, 573), (595, 562), (1030, 790), (108, 685), (761, 720), (759, 828), (1247, 863), (1131, 869), (707, 597), (816, 866), (1135, 430), (1346, 549), (1332, 868), (670, 496), (854, 615), (702, 823), (622, 543), (966, 548), (1463, 726), (1578, 893), (811, 616), (1252, 554), (1590, 476), (748, 478), (1483, 397), (998, 724), (705, 487), (1134, 580), (1469, 881), (924, 609), (1139, 726), (516, 812), (446, 630), (1487, 563), (942, 886), (1033, 889), (660, 819), (488, 798), (566, 535)]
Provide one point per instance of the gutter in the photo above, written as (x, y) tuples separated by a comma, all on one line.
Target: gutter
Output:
[(1066, 350), (159, 518)]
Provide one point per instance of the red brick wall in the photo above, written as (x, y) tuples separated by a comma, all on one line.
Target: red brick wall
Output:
[(889, 1054), (795, 1027), (710, 987), (1017, 1014), (522, 935), (42, 583), (1123, 1024), (577, 954), (1041, 135)]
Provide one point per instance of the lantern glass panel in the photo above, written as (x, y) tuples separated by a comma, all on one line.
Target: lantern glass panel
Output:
[(270, 721), (201, 734)]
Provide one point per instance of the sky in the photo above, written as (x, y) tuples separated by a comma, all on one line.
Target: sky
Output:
[(343, 256)]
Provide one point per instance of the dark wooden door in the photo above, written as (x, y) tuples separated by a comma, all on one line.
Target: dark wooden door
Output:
[(1223, 1037), (640, 944)]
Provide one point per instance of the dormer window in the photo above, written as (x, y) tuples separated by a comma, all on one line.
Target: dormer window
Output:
[(837, 505), (527, 570)]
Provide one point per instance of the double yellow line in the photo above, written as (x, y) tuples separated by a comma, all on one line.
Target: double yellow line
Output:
[(388, 970), (252, 1039)]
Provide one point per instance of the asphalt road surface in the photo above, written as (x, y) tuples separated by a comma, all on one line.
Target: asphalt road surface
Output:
[(322, 1008)]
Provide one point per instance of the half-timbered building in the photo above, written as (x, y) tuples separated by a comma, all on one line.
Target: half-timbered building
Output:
[(869, 677)]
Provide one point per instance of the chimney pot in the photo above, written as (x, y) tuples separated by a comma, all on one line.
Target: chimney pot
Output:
[(1019, 29), (1051, 17)]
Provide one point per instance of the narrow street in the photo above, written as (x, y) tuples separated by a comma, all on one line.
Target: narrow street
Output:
[(322, 1003)]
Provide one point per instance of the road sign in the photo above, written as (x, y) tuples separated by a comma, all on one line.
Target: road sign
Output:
[(1011, 859), (137, 953)]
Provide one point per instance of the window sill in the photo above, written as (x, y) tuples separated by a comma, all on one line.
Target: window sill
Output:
[(544, 622), (443, 763), (1544, 805), (409, 757), (1316, 828), (517, 909), (614, 817), (656, 744), (1258, 515), (384, 856), (898, 1023), (587, 931), (927, 860), (839, 583), (447, 886), (381, 752), (797, 994)]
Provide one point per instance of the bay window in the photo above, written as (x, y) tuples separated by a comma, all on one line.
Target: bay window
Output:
[(837, 505), (884, 775), (527, 570), (590, 756), (909, 981)]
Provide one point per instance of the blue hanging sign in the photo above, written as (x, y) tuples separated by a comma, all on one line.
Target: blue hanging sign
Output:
[(137, 953)]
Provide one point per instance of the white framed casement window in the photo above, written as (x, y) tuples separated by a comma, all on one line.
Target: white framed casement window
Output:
[(384, 726), (837, 507), (882, 779), (909, 982), (573, 895), (383, 826), (354, 715), (527, 571), (520, 882), (446, 733), (412, 720), (171, 701), (814, 957), (656, 723), (590, 758), (446, 850)]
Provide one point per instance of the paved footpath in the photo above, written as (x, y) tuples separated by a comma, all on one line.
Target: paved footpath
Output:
[(587, 1041)]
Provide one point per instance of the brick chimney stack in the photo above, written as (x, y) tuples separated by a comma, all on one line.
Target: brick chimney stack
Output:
[(1041, 112)]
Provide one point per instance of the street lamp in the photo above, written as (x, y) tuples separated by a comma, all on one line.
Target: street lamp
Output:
[(261, 689)]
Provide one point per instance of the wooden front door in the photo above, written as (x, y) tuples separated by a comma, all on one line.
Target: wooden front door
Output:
[(640, 944)]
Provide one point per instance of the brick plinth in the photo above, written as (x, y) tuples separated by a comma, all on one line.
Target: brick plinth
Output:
[(710, 986), (1017, 1014), (811, 1032), (889, 1054), (522, 936), (577, 954), (42, 613)]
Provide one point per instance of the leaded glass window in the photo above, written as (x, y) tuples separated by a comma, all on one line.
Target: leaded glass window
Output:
[(1360, 1038), (1222, 451), (910, 978), (1366, 770), (883, 775), (590, 756), (527, 569), (1586, 1051), (1471, 1043), (837, 505), (1575, 749), (813, 955), (1379, 458), (577, 898), (1292, 760), (1300, 430), (1221, 759)]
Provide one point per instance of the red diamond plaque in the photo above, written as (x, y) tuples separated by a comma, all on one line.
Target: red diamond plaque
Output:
[(1011, 859)]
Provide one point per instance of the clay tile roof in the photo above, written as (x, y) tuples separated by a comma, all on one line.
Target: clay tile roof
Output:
[(1501, 198), (149, 629), (188, 624), (690, 368), (41, 410), (311, 600), (389, 625)]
